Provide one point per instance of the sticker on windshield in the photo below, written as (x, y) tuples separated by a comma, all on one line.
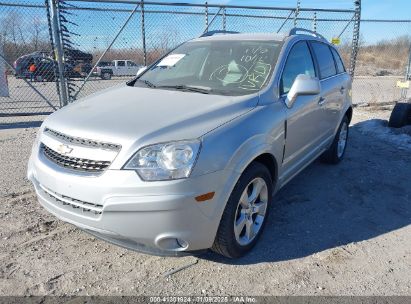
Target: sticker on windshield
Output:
[(171, 60)]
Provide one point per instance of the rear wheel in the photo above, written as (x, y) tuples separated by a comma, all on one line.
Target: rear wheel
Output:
[(337, 150), (106, 76), (245, 214)]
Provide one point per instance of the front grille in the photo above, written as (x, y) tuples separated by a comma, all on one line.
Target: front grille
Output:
[(82, 141), (72, 204), (74, 163)]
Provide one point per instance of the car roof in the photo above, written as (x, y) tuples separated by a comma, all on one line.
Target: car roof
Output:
[(294, 33), (243, 36)]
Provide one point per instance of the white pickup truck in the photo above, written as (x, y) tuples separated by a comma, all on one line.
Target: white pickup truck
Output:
[(106, 69)]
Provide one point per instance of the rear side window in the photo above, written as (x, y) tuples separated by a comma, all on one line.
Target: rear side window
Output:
[(338, 61), (325, 59), (299, 61), (121, 63)]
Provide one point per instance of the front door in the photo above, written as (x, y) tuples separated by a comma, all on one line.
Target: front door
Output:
[(304, 118)]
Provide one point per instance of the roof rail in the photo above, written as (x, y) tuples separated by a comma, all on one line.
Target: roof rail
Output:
[(294, 31), (212, 33)]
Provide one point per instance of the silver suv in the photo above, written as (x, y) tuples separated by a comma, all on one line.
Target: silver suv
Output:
[(187, 156)]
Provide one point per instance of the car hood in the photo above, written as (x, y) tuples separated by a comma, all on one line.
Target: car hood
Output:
[(139, 116)]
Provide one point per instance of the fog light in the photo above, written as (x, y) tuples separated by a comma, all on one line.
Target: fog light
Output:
[(172, 244), (183, 244)]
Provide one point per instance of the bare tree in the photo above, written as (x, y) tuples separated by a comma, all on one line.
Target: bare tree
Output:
[(38, 32)]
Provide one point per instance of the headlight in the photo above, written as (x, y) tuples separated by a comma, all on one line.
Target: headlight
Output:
[(165, 161)]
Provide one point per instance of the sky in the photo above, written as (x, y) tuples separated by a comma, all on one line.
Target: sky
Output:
[(97, 28), (371, 9), (186, 25)]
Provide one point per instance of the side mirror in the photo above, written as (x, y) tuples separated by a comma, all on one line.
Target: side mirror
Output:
[(141, 70), (303, 85)]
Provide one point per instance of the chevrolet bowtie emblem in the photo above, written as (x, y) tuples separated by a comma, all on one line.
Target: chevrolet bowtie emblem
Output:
[(64, 149)]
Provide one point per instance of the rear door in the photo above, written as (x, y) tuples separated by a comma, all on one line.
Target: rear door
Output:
[(331, 86), (304, 117), (345, 86)]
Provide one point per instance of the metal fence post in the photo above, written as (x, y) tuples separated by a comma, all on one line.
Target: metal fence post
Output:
[(58, 51), (356, 36), (407, 76), (212, 20), (315, 22), (206, 14), (297, 12), (143, 32), (224, 19)]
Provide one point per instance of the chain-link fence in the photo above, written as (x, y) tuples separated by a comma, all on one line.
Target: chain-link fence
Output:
[(138, 34), (99, 44), (27, 73), (382, 61)]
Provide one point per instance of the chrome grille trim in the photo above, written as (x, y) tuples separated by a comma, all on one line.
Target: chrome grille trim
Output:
[(82, 141), (77, 205), (74, 163)]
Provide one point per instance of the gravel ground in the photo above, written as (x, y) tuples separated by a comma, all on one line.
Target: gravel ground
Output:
[(334, 230)]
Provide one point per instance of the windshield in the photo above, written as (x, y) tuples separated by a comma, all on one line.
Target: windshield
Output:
[(215, 67)]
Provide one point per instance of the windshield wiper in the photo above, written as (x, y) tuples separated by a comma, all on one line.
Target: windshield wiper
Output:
[(183, 87), (147, 83)]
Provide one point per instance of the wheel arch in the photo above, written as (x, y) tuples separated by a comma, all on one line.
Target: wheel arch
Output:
[(349, 113), (268, 160)]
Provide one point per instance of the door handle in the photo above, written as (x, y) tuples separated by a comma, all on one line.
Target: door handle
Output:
[(342, 89), (321, 101)]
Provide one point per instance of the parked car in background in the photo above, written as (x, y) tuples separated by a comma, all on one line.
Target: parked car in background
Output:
[(117, 68), (21, 65), (187, 155), (97, 71), (77, 65), (45, 70)]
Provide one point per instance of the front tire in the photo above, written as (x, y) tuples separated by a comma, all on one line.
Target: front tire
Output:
[(336, 152), (246, 212), (106, 76)]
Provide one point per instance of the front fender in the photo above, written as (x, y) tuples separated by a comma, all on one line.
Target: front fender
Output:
[(235, 145)]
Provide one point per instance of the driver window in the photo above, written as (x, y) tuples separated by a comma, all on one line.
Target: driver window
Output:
[(299, 61)]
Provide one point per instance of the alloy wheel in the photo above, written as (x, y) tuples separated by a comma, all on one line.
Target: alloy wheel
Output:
[(342, 140), (251, 210)]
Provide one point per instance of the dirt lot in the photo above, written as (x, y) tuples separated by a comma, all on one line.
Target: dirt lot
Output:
[(334, 230)]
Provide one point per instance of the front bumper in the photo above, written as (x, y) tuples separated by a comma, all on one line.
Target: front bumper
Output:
[(160, 218)]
